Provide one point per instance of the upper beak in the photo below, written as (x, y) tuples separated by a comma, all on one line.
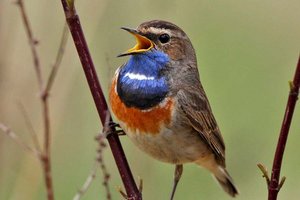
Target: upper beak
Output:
[(143, 44)]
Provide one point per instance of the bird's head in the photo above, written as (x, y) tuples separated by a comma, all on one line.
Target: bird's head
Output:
[(162, 36)]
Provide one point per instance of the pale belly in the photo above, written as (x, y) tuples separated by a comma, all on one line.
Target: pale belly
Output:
[(168, 146), (159, 132)]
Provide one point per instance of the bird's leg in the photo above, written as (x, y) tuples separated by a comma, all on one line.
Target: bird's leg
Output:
[(107, 130), (177, 175), (120, 132), (112, 124)]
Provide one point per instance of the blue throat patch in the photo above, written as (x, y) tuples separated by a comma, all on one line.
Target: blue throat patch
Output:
[(141, 81)]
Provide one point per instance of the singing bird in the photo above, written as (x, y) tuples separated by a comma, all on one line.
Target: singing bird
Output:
[(160, 103)]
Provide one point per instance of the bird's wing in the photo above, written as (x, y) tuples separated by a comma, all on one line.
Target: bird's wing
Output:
[(194, 104)]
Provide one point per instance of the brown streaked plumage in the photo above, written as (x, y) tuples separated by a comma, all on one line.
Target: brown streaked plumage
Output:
[(190, 133)]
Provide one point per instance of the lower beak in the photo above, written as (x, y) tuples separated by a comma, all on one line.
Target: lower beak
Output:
[(143, 44)]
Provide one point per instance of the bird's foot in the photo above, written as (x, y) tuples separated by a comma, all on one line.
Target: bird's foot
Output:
[(112, 124), (112, 128)]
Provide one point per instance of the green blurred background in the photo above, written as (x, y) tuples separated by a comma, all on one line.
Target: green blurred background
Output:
[(247, 52)]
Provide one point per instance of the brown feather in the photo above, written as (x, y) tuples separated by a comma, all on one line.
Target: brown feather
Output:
[(194, 104)]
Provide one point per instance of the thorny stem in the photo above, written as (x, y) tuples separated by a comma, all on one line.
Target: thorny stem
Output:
[(101, 105), (275, 183)]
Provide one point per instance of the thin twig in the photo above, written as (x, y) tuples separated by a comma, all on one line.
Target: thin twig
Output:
[(46, 161), (59, 56), (45, 158), (87, 182), (99, 162), (123, 194), (264, 170), (98, 96), (106, 175), (275, 185), (30, 127), (46, 155), (32, 43), (18, 140)]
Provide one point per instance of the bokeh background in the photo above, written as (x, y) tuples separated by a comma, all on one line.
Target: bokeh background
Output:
[(247, 52)]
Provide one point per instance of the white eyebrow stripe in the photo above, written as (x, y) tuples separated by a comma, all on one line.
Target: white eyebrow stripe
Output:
[(138, 76), (159, 30)]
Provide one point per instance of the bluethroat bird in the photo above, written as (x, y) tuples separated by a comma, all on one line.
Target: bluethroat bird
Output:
[(160, 103)]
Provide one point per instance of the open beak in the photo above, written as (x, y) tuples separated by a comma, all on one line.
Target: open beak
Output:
[(143, 44)]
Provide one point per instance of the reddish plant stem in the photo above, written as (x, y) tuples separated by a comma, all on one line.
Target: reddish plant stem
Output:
[(45, 157), (32, 43), (48, 176), (99, 100), (293, 96)]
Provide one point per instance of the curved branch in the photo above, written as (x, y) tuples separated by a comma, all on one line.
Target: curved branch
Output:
[(99, 100)]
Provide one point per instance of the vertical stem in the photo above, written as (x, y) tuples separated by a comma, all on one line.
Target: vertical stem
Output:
[(46, 156), (290, 107), (99, 100), (47, 176)]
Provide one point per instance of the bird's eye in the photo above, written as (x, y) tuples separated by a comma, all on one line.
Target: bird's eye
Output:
[(164, 38)]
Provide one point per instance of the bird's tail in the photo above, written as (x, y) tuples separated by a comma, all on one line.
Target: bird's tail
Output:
[(225, 181)]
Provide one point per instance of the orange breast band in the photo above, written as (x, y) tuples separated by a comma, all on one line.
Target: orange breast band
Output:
[(136, 120)]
